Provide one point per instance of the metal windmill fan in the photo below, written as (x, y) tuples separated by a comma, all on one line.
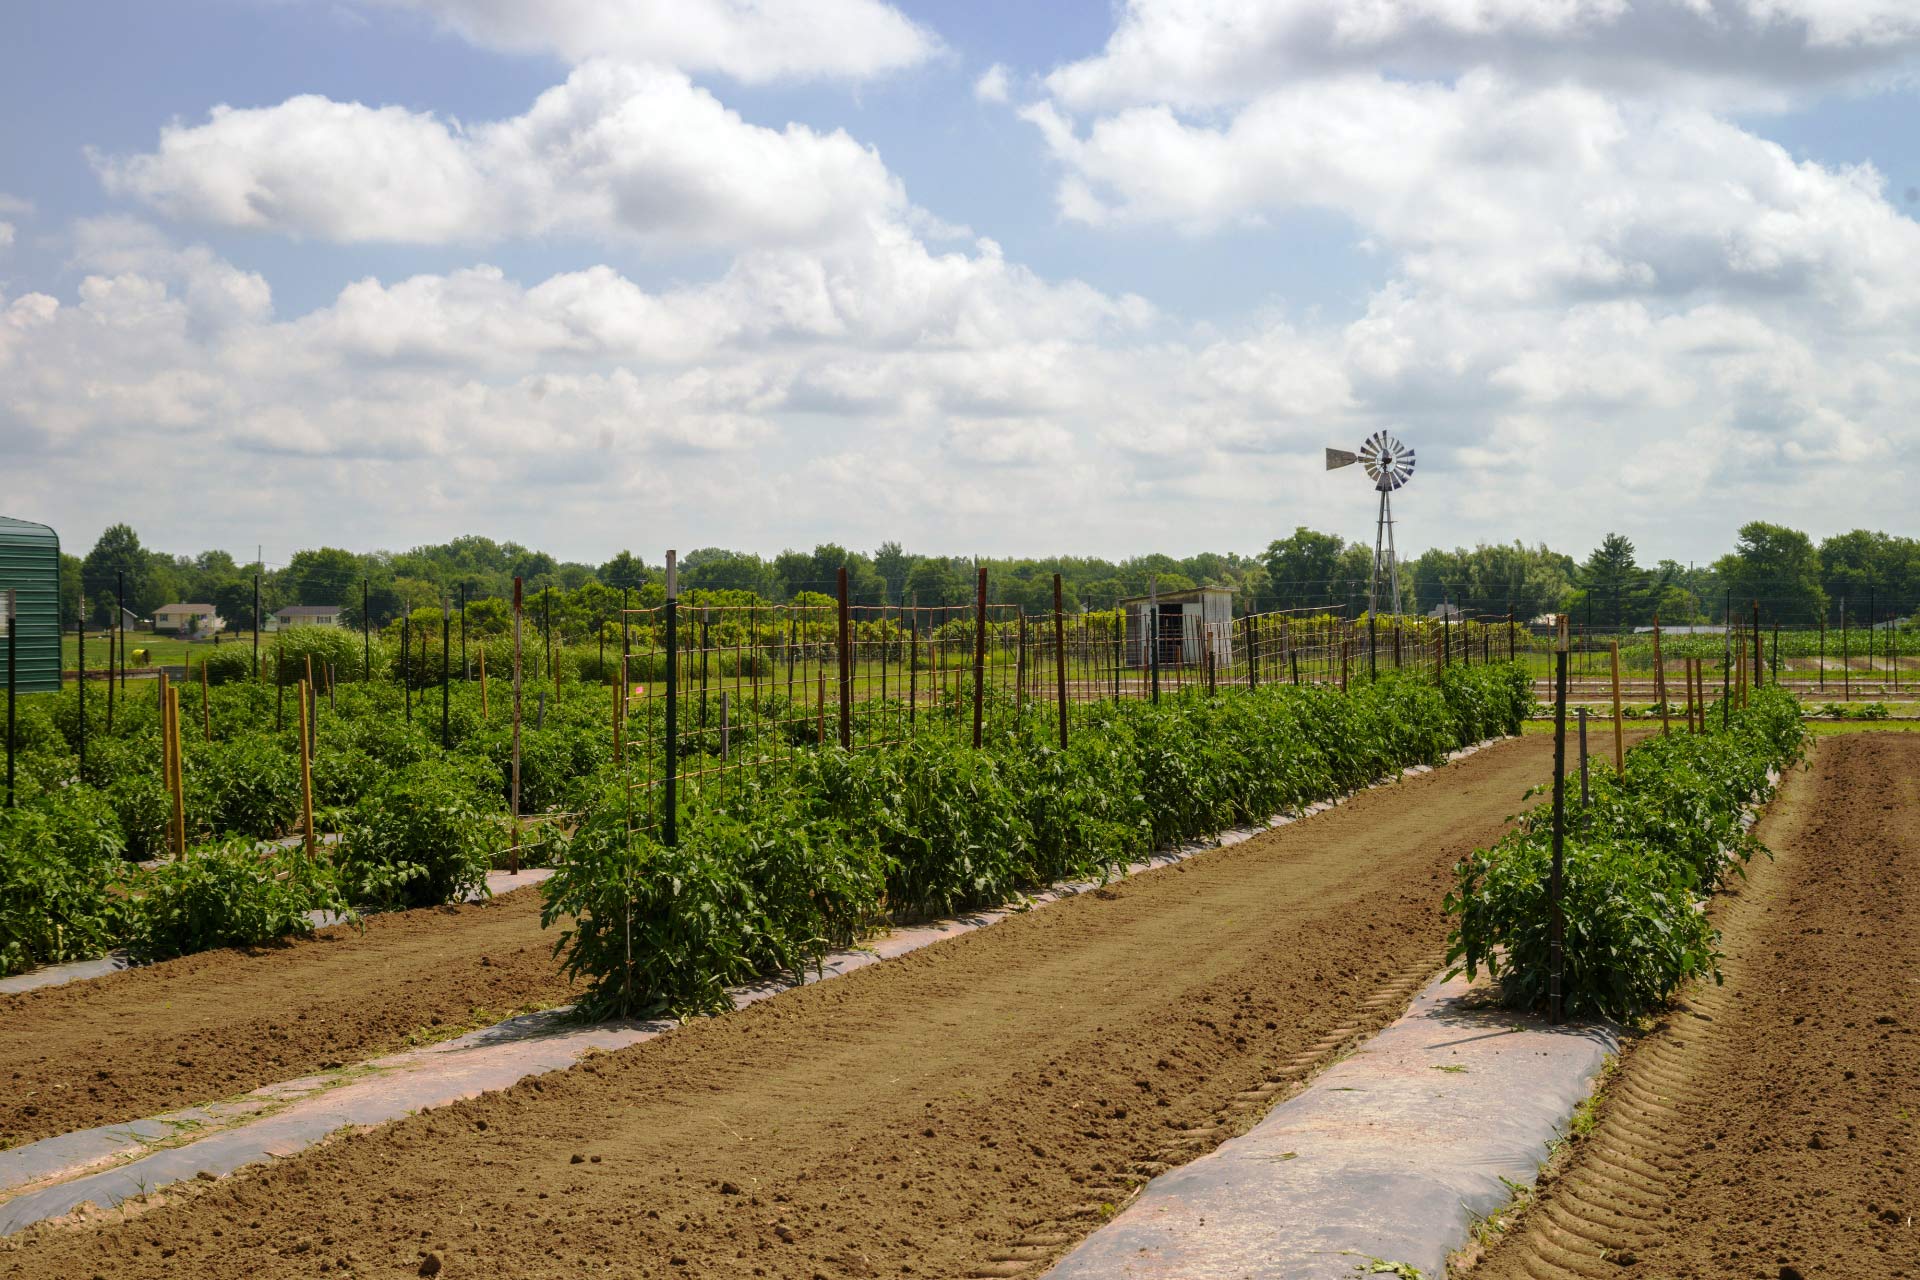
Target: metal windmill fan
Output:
[(1389, 464)]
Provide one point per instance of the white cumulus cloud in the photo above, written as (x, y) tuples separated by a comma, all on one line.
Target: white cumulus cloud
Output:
[(615, 152), (753, 41)]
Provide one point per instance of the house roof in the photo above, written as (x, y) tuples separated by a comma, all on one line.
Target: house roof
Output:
[(185, 608), (307, 611)]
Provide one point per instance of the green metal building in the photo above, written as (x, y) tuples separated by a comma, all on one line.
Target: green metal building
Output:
[(30, 565)]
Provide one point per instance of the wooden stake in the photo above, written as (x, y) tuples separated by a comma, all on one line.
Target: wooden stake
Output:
[(483, 685), (1619, 723), (179, 777), (306, 776), (206, 707)]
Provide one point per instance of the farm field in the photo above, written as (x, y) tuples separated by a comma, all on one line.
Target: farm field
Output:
[(1771, 1127), (965, 1107), (220, 1023)]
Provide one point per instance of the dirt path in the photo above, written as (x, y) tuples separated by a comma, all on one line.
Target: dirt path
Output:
[(1771, 1127), (207, 1026), (972, 1108)]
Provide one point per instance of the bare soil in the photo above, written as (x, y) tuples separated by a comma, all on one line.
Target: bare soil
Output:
[(1771, 1127), (208, 1026), (970, 1109)]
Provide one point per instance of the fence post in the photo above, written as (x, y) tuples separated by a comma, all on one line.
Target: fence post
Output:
[(513, 855), (726, 742), (1619, 723), (446, 674), (306, 778), (313, 729), (1759, 650), (1556, 959), (206, 705), (1060, 659), (670, 819), (366, 633), (1153, 634), (1585, 795), (1660, 679), (406, 660), (1373, 646), (846, 664), (913, 664), (119, 623), (82, 637), (979, 652)]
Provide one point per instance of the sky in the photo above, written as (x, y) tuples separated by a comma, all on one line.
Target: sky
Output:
[(986, 278)]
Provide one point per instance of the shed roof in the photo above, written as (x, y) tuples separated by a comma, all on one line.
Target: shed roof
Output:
[(1188, 596), (307, 611), (185, 608)]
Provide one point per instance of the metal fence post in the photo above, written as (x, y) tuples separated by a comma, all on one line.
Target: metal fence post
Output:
[(846, 666), (513, 858), (979, 653), (256, 626), (1586, 796), (1060, 659), (446, 675), (1557, 925), (366, 634), (1153, 634), (669, 825)]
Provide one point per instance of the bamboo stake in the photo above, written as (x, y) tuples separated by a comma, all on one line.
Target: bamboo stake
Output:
[(306, 776), (1619, 724), (179, 778)]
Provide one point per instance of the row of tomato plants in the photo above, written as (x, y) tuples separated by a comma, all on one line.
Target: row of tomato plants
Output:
[(1638, 862), (783, 864)]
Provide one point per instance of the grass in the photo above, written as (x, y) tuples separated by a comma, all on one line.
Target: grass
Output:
[(164, 650)]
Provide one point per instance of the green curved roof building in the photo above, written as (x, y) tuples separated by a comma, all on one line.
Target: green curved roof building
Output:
[(30, 566)]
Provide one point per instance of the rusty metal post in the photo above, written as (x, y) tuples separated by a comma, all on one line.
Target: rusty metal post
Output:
[(846, 667), (1060, 659), (979, 653)]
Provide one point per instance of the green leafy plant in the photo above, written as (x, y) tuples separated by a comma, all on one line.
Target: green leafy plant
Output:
[(426, 836), (1637, 861), (237, 893)]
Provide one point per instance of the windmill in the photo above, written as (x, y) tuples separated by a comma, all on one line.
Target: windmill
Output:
[(1390, 465)]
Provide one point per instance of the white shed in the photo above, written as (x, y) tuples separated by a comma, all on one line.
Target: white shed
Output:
[(1190, 623)]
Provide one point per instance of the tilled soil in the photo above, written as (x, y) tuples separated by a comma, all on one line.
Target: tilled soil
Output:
[(208, 1026), (1771, 1127), (969, 1109)]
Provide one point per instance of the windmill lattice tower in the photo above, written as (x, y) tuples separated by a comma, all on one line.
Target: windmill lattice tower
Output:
[(1389, 464)]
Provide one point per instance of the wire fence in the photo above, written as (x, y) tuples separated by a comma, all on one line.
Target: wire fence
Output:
[(710, 692)]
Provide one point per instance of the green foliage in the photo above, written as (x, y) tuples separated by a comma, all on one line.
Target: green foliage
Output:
[(425, 836), (808, 851), (247, 786), (1637, 861), (230, 664), (60, 866), (337, 646), (233, 894)]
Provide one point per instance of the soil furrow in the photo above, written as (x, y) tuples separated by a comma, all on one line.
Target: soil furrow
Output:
[(988, 1096), (209, 1026)]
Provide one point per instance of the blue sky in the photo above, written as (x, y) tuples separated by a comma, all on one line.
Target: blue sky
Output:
[(741, 292)]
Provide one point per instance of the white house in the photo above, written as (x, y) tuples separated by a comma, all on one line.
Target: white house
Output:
[(308, 615), (188, 619)]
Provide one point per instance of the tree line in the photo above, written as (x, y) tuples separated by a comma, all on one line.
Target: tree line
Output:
[(1795, 579)]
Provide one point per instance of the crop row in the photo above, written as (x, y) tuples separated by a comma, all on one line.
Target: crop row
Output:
[(1638, 860), (812, 851)]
